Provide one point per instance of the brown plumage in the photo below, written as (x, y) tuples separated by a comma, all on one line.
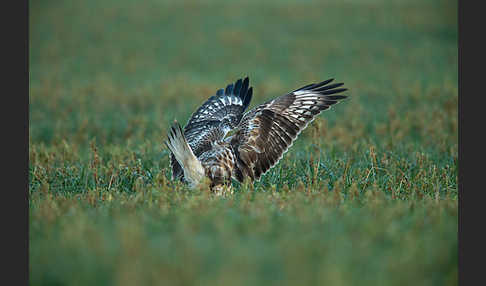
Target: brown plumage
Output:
[(261, 136)]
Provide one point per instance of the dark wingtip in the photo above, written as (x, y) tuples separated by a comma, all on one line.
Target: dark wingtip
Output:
[(326, 87), (229, 89), (322, 83), (244, 89), (247, 80), (248, 97), (315, 85), (237, 88), (332, 91)]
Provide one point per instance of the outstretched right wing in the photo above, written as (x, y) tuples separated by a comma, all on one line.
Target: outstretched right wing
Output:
[(266, 132), (215, 118)]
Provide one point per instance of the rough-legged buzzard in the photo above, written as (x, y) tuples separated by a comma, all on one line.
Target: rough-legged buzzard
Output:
[(258, 138)]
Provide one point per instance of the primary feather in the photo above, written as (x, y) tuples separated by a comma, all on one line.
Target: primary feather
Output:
[(214, 119), (262, 135)]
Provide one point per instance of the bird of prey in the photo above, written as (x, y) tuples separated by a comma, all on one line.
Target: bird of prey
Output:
[(221, 142)]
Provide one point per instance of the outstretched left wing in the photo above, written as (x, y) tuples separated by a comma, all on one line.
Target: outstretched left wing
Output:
[(266, 132), (215, 118)]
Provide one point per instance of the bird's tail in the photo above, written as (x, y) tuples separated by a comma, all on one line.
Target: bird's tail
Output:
[(177, 144)]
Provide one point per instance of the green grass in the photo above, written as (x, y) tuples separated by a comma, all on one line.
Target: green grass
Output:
[(366, 196)]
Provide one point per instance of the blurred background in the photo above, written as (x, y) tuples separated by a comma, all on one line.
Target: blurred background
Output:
[(112, 68), (366, 196)]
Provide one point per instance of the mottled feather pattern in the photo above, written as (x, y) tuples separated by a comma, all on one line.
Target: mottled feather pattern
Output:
[(268, 131), (219, 163), (262, 135), (215, 118)]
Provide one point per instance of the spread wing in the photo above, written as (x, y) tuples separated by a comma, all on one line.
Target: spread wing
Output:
[(215, 118), (266, 132)]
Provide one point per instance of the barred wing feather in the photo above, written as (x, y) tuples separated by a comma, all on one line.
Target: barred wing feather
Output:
[(215, 118), (266, 132)]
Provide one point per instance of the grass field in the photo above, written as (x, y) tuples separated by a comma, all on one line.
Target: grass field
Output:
[(366, 196)]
